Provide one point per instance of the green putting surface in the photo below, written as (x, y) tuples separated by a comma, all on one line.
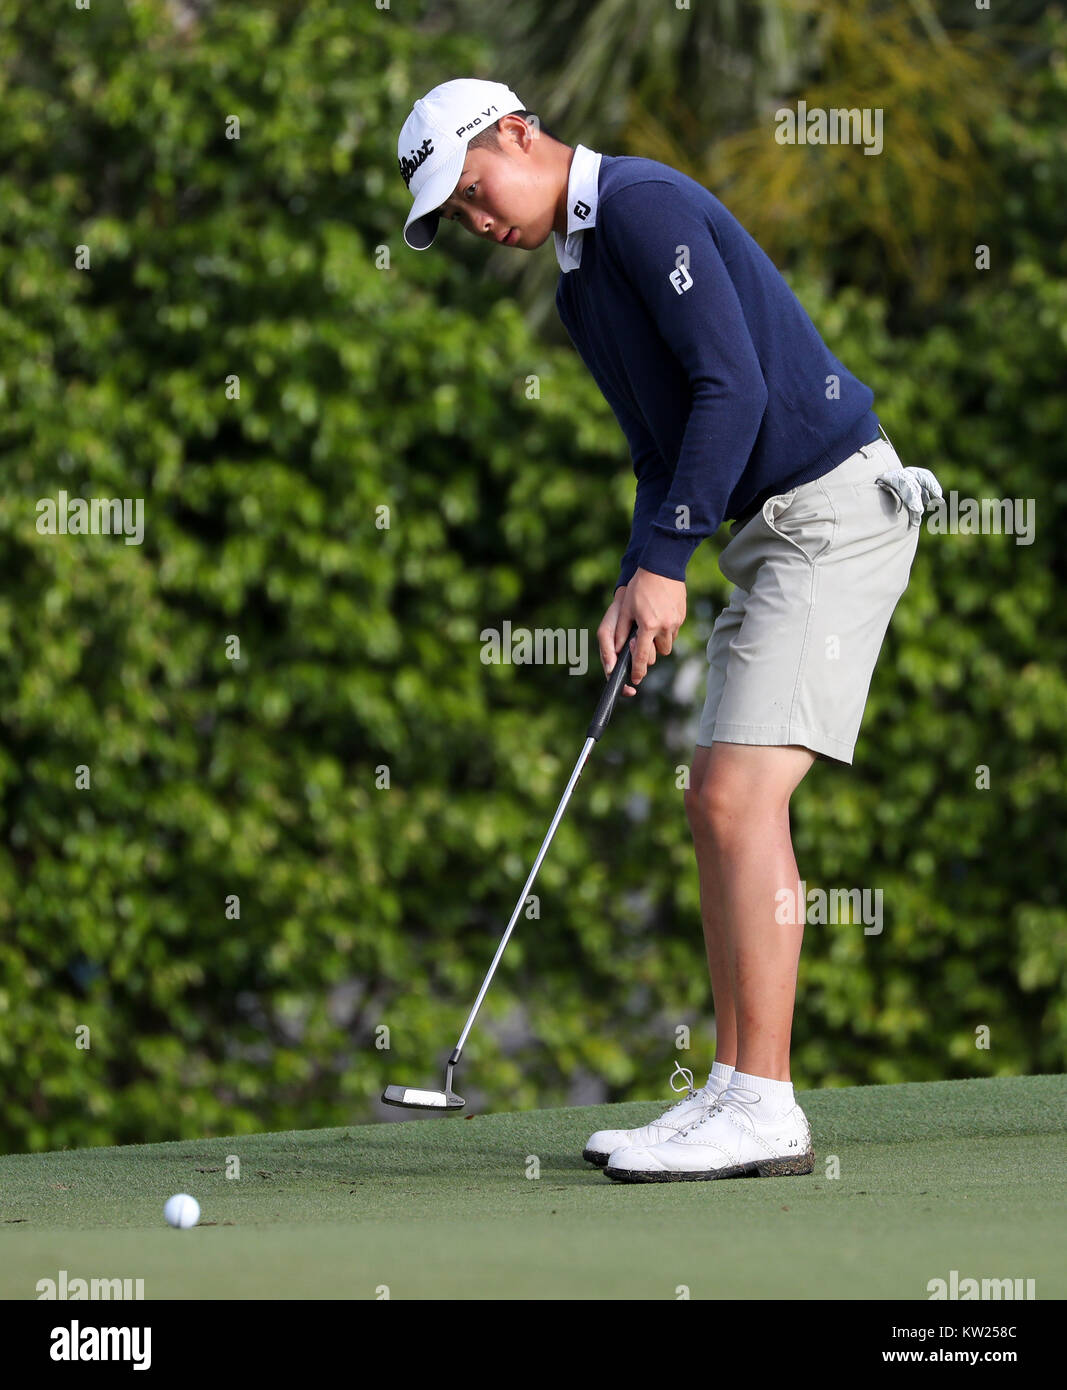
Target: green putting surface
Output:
[(958, 1175)]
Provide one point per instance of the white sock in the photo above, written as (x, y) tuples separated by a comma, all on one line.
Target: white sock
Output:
[(775, 1097), (719, 1076)]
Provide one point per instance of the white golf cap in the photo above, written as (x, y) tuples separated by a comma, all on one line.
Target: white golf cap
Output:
[(433, 146)]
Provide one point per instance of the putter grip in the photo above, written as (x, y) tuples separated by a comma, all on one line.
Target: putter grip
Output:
[(620, 675)]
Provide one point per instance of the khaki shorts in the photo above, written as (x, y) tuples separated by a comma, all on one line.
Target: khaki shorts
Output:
[(818, 573)]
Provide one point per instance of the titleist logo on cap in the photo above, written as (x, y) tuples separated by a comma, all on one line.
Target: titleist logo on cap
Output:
[(420, 156)]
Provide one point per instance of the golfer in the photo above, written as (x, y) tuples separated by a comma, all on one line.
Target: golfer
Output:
[(734, 410)]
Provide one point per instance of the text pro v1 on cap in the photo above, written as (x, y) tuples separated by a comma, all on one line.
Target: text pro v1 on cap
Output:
[(433, 146)]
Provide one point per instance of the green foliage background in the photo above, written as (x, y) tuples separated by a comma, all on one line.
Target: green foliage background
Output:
[(371, 377)]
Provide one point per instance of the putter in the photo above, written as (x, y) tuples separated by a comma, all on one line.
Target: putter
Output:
[(412, 1098)]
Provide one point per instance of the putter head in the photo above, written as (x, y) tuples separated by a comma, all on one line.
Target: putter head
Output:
[(410, 1098)]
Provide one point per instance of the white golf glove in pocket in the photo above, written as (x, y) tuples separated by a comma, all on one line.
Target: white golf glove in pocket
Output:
[(914, 488)]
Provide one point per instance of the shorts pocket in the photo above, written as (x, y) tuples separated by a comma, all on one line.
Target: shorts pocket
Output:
[(805, 517), (876, 503)]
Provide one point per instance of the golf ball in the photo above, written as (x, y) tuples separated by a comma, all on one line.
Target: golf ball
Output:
[(182, 1211)]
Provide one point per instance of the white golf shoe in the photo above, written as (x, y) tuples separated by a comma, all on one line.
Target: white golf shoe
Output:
[(683, 1112), (727, 1141)]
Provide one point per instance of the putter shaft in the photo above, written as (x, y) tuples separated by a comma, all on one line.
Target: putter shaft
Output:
[(522, 898), (618, 678)]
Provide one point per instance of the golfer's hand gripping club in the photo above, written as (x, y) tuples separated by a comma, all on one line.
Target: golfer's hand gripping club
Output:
[(620, 675)]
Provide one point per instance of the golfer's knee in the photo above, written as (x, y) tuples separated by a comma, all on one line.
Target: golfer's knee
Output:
[(708, 808), (729, 811)]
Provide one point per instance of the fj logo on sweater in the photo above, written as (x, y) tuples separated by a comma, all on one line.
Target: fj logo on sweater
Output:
[(581, 209), (680, 279)]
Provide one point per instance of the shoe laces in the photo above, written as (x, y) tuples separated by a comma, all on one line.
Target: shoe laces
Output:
[(687, 1078), (739, 1097)]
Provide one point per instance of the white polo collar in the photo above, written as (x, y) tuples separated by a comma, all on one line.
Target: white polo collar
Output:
[(581, 206)]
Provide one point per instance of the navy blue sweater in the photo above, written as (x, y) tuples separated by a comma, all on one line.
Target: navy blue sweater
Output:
[(723, 387)]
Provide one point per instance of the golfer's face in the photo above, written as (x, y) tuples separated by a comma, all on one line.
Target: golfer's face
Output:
[(502, 195)]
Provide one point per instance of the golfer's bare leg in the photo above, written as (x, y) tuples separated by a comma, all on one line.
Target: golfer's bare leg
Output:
[(712, 914), (738, 809)]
